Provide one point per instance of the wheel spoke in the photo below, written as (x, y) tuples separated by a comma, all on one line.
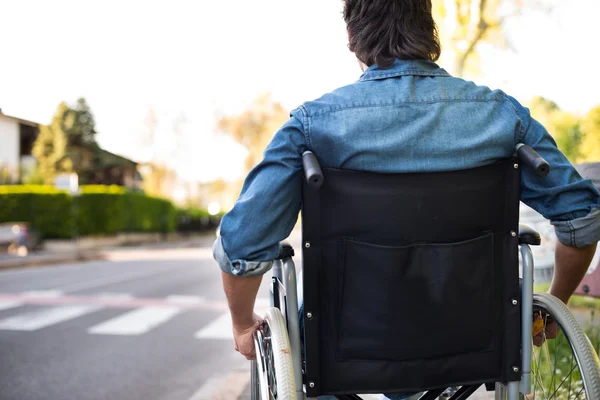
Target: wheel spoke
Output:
[(553, 382), (576, 397), (537, 378), (572, 359), (563, 381)]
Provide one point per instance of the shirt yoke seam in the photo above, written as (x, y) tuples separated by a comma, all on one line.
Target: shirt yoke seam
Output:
[(401, 103)]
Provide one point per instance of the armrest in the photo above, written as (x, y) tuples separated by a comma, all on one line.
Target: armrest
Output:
[(286, 251), (529, 236)]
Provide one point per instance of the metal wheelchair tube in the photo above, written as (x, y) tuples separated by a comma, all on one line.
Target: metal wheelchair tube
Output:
[(261, 362), (530, 157), (526, 315), (289, 282), (312, 170)]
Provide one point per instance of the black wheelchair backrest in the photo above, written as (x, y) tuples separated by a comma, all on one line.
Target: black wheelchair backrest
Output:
[(411, 280)]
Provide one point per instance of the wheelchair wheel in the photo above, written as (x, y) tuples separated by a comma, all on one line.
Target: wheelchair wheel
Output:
[(272, 374), (567, 366)]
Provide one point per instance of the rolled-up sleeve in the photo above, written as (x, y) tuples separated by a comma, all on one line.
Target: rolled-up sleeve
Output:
[(267, 208), (571, 203), (579, 232)]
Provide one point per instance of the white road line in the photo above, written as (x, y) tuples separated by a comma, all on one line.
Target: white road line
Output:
[(220, 328), (135, 322), (43, 293), (181, 299), (47, 316), (5, 305), (111, 295)]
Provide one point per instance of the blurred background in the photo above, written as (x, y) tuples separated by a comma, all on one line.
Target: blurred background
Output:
[(134, 123)]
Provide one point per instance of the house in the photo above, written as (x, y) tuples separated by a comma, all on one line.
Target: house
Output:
[(112, 169), (102, 167), (17, 136)]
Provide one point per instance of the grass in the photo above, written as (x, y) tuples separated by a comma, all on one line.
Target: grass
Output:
[(576, 301), (555, 356)]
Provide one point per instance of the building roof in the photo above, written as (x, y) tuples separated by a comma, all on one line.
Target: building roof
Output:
[(109, 159), (20, 120)]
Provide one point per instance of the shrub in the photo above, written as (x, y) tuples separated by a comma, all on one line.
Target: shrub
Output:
[(100, 209), (196, 220)]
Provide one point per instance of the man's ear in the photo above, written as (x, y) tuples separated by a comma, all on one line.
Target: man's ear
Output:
[(350, 47)]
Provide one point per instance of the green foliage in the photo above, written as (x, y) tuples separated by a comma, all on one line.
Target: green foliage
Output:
[(68, 144), (196, 220), (254, 128), (590, 149), (565, 127), (45, 208), (79, 124), (101, 210), (50, 147)]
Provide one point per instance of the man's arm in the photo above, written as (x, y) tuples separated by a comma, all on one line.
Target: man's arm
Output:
[(570, 265), (263, 216), (571, 203), (241, 295)]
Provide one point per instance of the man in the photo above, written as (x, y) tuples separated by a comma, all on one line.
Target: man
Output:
[(405, 114)]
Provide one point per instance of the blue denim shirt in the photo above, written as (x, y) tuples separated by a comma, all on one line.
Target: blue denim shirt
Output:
[(411, 117)]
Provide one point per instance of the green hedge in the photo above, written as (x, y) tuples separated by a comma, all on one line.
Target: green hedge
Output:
[(196, 220), (101, 210)]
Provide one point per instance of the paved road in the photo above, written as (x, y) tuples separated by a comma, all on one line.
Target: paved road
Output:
[(145, 324)]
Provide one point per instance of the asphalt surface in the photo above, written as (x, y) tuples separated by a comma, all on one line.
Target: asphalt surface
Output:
[(148, 323)]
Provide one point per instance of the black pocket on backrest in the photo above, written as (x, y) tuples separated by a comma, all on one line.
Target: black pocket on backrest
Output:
[(414, 302)]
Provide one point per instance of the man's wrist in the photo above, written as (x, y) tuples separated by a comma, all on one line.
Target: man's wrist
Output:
[(240, 325)]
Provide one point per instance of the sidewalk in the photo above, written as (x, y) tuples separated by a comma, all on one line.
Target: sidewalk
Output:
[(38, 258), (481, 394), (45, 258)]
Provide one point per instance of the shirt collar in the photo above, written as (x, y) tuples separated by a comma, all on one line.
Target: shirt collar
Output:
[(403, 67)]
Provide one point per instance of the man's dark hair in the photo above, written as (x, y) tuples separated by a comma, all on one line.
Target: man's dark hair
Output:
[(383, 30)]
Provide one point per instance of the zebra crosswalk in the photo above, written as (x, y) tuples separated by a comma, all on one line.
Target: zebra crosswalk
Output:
[(136, 316)]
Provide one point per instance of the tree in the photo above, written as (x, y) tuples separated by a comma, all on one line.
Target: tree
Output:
[(79, 124), (590, 146), (68, 144), (255, 127), (465, 24), (50, 147), (564, 126)]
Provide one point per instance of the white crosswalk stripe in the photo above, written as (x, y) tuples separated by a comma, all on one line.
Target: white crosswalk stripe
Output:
[(45, 317), (135, 322), (43, 293), (139, 315), (5, 305), (179, 299), (221, 328)]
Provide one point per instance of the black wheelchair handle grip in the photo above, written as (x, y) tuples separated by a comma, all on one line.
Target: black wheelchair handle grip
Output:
[(530, 157), (312, 170)]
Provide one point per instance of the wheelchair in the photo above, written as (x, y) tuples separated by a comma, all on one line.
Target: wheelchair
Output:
[(411, 284)]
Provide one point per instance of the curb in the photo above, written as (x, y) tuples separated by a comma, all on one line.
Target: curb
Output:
[(34, 261)]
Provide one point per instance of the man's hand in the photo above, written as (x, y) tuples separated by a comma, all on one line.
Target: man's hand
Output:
[(550, 331), (243, 337)]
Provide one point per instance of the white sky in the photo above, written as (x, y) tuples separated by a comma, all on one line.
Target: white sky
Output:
[(193, 60)]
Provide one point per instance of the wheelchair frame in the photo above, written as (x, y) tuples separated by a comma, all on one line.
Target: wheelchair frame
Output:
[(284, 297), (283, 284)]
